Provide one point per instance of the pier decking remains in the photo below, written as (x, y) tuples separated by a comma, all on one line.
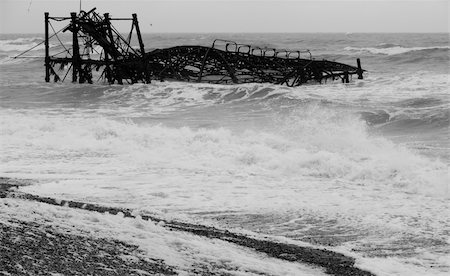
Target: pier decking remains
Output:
[(98, 52)]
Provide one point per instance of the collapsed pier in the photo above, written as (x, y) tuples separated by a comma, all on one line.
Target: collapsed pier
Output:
[(98, 52)]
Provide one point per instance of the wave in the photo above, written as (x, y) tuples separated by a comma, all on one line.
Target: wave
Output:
[(378, 101), (34, 44), (22, 40), (408, 121), (10, 60), (392, 49), (179, 94), (387, 45), (309, 142), (416, 115), (21, 44), (375, 117)]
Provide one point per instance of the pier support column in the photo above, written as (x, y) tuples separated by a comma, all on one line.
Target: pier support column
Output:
[(141, 46), (108, 73), (47, 55), (76, 66), (346, 78), (360, 70)]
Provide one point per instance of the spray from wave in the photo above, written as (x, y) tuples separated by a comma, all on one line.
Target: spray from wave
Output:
[(311, 142)]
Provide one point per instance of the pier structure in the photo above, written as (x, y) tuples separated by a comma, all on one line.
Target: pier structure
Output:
[(96, 44), (98, 52)]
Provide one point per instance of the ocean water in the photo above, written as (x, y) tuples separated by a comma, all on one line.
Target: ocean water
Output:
[(359, 168)]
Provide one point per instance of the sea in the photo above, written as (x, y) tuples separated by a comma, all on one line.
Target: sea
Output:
[(359, 168)]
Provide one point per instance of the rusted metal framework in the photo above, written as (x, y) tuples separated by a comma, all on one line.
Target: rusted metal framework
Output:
[(98, 47)]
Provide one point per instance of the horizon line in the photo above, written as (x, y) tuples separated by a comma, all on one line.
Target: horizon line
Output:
[(258, 32)]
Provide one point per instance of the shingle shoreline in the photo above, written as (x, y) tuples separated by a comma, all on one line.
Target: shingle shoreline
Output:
[(28, 248), (333, 263)]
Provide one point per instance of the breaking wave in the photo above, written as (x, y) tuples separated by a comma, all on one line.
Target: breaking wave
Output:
[(21, 44), (310, 142), (392, 49), (416, 113)]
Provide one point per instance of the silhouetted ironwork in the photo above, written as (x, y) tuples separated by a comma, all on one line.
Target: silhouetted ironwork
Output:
[(96, 45)]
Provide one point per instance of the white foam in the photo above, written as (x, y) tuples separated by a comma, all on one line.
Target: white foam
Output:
[(185, 252), (313, 142)]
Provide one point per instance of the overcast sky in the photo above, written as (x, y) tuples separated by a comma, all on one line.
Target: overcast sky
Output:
[(26, 16)]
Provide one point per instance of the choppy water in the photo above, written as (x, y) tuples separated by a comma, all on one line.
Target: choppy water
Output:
[(360, 167)]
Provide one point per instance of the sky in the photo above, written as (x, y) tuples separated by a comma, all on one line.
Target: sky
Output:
[(218, 16)]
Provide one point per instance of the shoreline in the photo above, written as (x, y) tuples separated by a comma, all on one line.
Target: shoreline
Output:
[(330, 262)]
